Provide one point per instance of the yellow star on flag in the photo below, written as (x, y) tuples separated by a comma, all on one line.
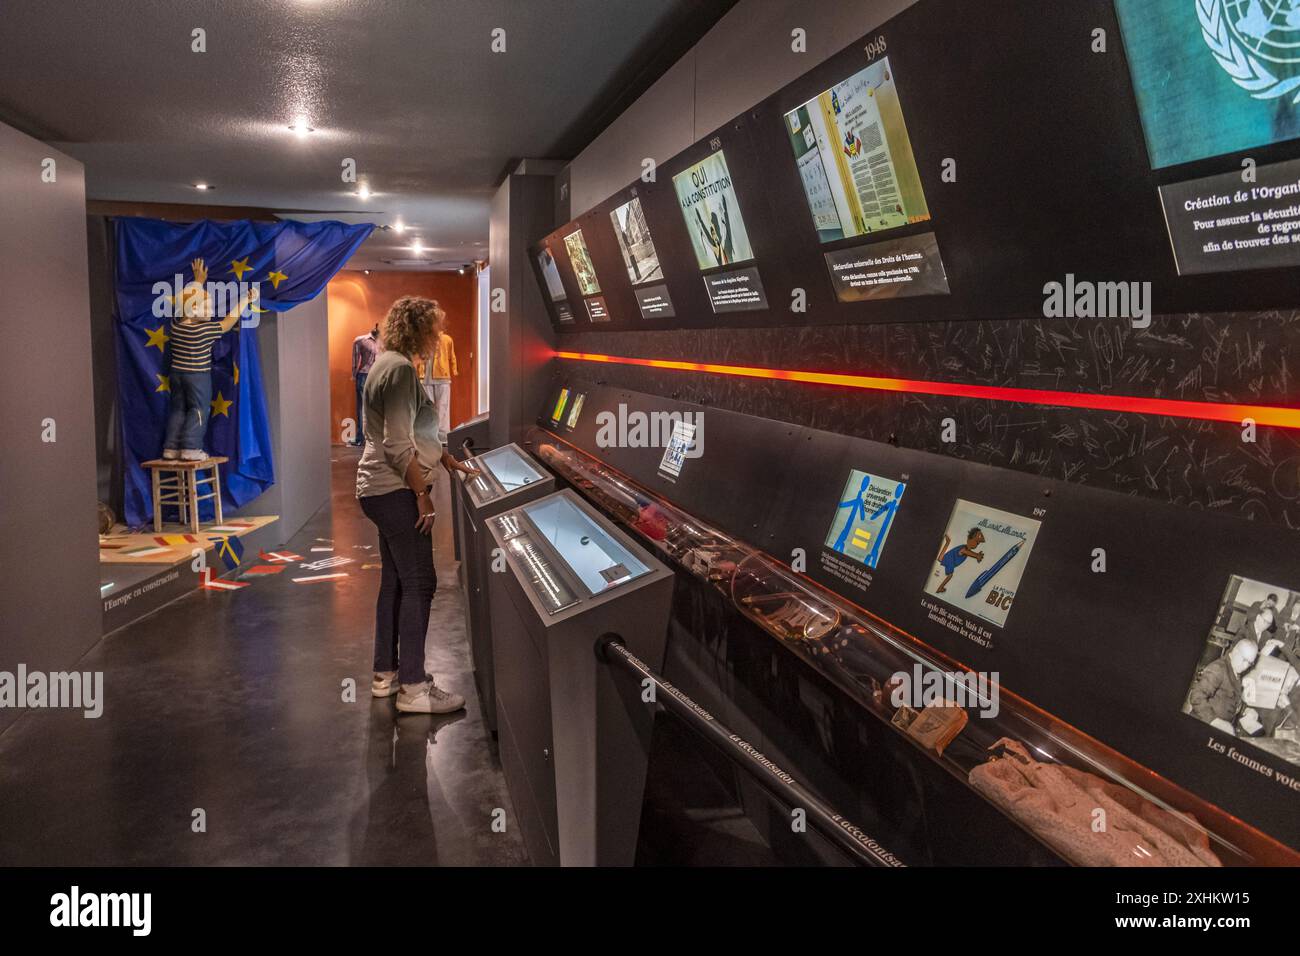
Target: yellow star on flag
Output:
[(164, 382), (158, 337), (236, 364), (221, 406), (239, 267), (276, 278)]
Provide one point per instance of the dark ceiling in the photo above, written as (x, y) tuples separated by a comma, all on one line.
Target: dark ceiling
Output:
[(410, 90)]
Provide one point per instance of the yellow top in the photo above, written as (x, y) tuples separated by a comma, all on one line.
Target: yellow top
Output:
[(441, 363)]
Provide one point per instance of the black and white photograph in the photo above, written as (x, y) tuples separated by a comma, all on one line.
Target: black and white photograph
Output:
[(1247, 681)]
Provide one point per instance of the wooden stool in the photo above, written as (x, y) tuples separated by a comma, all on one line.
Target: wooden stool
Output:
[(180, 488)]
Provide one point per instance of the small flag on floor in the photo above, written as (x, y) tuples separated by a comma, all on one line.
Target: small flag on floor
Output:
[(143, 552), (324, 563), (208, 582), (176, 540), (320, 577), (231, 552), (265, 569), (279, 557)]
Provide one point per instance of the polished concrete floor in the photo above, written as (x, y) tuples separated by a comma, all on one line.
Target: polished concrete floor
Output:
[(229, 710)]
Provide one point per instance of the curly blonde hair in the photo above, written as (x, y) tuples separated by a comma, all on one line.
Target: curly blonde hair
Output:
[(411, 323)]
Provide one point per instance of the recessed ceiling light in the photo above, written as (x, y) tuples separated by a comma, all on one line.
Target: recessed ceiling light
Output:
[(399, 227), (366, 271), (363, 191), (417, 247), (202, 186), (301, 126)]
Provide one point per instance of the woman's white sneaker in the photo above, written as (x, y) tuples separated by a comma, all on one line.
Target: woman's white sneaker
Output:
[(427, 698), (384, 684)]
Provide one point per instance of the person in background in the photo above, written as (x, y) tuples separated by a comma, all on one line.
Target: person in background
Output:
[(189, 379), (364, 349), (1216, 695), (439, 367), (394, 478)]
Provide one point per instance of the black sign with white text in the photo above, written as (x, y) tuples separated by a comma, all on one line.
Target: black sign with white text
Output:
[(1222, 224), (597, 309), (739, 291), (655, 302), (888, 270)]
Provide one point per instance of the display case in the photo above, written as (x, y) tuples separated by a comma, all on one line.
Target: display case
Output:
[(1044, 774), (574, 740), (507, 477)]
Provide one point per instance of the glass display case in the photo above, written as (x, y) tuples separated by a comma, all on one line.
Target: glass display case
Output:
[(501, 471), (1038, 770), (574, 757), (578, 545)]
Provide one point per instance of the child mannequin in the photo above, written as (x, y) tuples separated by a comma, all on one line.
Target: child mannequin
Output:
[(193, 333)]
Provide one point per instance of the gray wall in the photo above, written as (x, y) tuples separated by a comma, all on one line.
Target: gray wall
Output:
[(48, 546), (295, 374), (522, 341), (743, 60)]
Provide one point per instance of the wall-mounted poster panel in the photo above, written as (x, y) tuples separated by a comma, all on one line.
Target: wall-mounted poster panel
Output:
[(855, 157), (634, 242), (711, 210), (1247, 683), (551, 274), (583, 269), (1213, 76)]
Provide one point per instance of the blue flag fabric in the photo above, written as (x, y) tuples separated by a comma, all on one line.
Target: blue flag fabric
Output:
[(290, 261)]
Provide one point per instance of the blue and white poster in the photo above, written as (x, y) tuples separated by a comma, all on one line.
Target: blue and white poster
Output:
[(863, 517)]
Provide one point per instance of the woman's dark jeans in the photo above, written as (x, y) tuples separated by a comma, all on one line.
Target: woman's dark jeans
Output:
[(406, 584)]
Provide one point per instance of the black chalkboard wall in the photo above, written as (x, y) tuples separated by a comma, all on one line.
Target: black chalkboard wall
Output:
[(1052, 179)]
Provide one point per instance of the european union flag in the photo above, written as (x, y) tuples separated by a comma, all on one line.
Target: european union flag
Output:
[(290, 261)]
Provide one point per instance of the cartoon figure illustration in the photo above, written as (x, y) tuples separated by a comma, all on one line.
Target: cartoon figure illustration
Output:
[(858, 512), (888, 509), (950, 559)]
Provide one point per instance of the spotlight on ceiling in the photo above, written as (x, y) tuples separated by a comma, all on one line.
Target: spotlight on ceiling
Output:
[(366, 271), (417, 247), (301, 127), (399, 227), (202, 186), (363, 191)]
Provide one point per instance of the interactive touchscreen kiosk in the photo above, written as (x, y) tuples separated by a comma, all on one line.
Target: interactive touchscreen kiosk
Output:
[(507, 478), (574, 736)]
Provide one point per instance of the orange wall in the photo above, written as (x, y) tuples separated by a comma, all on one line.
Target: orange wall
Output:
[(357, 301)]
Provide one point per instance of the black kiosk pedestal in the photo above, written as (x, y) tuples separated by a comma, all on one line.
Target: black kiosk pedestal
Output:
[(508, 478), (574, 743)]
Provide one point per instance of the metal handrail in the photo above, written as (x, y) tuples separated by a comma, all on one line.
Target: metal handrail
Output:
[(772, 778)]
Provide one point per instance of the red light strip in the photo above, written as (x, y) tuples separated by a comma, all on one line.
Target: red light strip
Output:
[(1279, 416)]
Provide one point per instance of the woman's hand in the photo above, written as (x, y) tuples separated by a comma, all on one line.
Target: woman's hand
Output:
[(200, 271), (424, 505), (451, 464)]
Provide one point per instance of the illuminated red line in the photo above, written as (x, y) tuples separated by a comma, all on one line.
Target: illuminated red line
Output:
[(1279, 416)]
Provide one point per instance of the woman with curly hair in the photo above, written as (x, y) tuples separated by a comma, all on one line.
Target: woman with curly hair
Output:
[(394, 478)]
